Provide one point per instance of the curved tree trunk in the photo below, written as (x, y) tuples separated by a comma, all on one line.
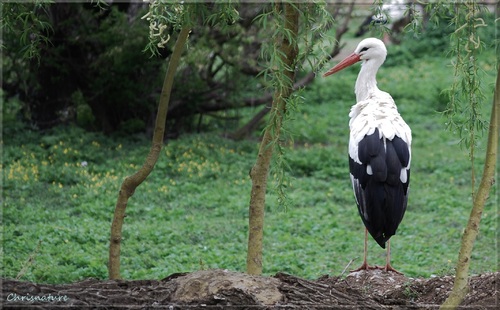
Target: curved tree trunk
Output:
[(132, 182), (288, 53), (460, 287)]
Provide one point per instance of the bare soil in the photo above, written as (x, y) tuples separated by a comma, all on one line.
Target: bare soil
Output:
[(222, 289)]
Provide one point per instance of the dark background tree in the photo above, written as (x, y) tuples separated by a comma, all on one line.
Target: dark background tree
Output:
[(92, 68)]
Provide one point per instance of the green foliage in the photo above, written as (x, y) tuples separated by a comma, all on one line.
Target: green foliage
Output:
[(417, 43), (60, 187), (466, 93), (26, 22), (165, 16), (96, 74), (84, 116), (432, 37), (92, 62), (11, 108), (128, 74)]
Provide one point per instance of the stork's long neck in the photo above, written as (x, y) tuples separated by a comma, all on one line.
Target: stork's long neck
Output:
[(366, 83)]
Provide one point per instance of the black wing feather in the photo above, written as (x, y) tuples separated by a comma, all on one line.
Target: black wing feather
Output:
[(381, 196)]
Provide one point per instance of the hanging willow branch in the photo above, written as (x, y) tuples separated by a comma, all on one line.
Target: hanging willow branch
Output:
[(463, 111)]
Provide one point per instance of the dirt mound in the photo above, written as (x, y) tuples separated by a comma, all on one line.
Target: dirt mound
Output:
[(374, 289)]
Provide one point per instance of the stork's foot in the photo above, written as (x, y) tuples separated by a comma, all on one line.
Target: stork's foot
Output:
[(364, 266), (388, 268)]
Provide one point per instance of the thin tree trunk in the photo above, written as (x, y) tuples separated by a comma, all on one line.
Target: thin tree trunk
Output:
[(132, 182), (460, 286), (259, 173)]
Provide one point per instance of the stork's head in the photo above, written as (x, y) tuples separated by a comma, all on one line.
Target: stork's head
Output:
[(370, 49)]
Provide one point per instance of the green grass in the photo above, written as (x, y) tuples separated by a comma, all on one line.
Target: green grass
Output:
[(191, 213)]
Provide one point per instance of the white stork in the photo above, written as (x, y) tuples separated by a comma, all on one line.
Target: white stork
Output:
[(379, 150)]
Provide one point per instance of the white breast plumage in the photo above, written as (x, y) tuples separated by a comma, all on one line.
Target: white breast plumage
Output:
[(381, 113)]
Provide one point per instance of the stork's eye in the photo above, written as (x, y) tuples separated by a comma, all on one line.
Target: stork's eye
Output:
[(364, 49)]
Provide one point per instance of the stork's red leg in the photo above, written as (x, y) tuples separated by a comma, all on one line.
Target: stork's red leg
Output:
[(388, 266), (365, 265)]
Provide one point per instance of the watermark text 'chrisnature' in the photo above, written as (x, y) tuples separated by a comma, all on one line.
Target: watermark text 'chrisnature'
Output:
[(48, 298)]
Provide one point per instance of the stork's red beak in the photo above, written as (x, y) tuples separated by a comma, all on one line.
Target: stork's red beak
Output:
[(349, 60)]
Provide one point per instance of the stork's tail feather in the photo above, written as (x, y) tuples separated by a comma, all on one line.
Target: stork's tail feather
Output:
[(381, 240)]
